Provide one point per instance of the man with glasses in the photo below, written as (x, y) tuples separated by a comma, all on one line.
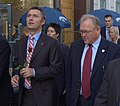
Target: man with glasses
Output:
[(87, 63), (108, 19)]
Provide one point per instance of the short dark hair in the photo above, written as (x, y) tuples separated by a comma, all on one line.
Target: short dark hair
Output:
[(108, 15), (56, 27), (39, 9)]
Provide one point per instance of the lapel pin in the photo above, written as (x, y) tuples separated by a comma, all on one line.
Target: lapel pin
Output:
[(103, 50), (42, 44)]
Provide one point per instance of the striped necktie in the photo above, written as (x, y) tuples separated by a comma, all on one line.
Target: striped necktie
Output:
[(27, 83)]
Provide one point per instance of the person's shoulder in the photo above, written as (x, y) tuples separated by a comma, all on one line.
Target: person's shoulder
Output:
[(48, 37), (49, 40), (78, 41), (22, 39), (114, 62), (63, 45), (4, 44), (109, 43), (3, 40), (103, 27)]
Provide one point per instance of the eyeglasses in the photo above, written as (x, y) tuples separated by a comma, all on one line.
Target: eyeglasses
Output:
[(86, 31)]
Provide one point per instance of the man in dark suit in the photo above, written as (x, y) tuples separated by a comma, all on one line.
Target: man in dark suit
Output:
[(44, 66), (102, 52), (109, 93), (6, 91), (54, 31), (108, 19)]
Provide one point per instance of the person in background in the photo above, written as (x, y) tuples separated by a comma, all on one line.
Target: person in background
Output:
[(54, 30), (108, 19), (109, 93), (88, 59), (6, 91), (114, 34), (39, 62), (18, 32)]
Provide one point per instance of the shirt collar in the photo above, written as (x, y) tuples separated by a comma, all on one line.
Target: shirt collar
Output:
[(36, 36), (96, 43)]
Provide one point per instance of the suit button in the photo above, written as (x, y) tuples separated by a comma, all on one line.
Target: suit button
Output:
[(79, 80), (78, 90), (75, 100)]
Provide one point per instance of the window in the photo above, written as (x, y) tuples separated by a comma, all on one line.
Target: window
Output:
[(19, 7), (102, 3), (118, 6)]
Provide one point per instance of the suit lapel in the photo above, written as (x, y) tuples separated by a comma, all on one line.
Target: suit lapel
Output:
[(40, 44), (78, 59), (101, 53), (24, 47), (81, 48), (103, 32)]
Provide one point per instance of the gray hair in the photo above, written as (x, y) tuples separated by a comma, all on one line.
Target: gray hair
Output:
[(94, 19)]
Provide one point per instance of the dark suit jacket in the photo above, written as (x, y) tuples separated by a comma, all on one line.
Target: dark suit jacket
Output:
[(6, 91), (106, 52), (103, 32), (60, 80), (46, 61), (118, 42), (109, 93)]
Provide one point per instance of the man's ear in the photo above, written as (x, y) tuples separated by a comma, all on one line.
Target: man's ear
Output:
[(43, 21)]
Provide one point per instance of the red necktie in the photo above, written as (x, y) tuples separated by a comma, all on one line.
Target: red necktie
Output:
[(86, 73), (28, 59)]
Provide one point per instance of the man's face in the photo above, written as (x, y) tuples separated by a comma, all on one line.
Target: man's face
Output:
[(89, 32), (51, 32), (108, 22), (34, 20)]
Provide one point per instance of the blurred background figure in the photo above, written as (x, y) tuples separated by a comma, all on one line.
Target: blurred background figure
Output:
[(18, 32), (114, 34), (54, 30), (6, 91), (108, 19)]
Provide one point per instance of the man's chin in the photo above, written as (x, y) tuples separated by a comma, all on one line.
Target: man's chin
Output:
[(31, 28)]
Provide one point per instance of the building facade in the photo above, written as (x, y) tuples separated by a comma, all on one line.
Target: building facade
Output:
[(72, 9), (113, 5)]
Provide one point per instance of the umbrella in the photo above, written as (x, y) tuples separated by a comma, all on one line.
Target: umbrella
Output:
[(51, 15), (100, 13)]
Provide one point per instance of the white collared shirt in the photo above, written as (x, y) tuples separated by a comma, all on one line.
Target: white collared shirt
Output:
[(94, 52)]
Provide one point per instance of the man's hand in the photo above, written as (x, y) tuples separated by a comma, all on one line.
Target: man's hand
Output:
[(27, 72), (15, 81)]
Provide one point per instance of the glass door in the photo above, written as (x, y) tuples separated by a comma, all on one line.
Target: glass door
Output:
[(6, 21)]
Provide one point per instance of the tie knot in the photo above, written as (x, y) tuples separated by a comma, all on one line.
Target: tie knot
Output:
[(32, 37), (90, 45)]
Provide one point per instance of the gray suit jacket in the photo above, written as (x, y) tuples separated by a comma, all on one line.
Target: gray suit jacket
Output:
[(109, 93)]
